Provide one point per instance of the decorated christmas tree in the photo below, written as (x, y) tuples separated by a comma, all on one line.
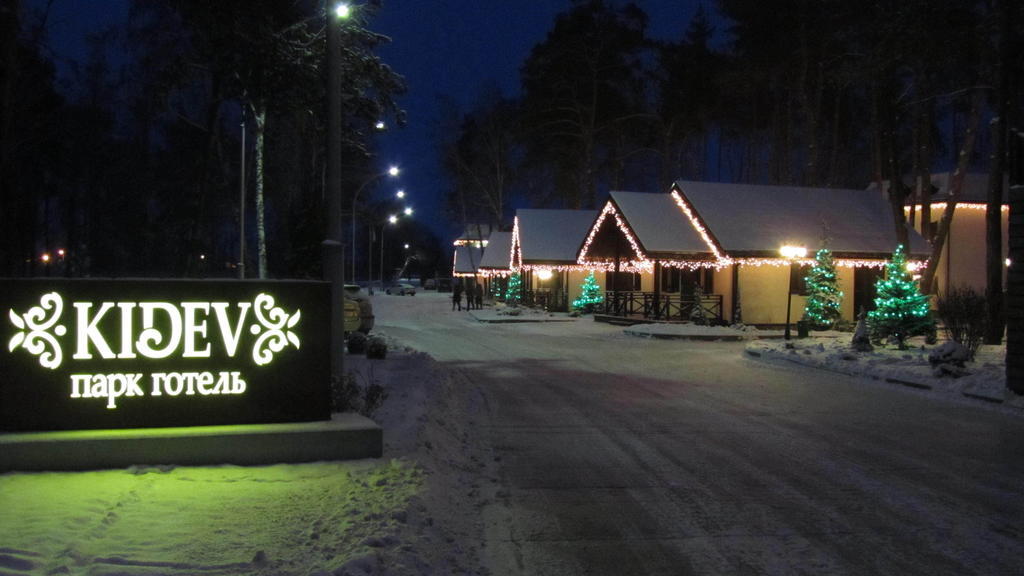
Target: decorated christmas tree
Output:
[(824, 296), (901, 311), (514, 292), (590, 297)]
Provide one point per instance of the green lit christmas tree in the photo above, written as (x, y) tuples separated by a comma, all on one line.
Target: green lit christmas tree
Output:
[(590, 297), (824, 296), (514, 291), (901, 311)]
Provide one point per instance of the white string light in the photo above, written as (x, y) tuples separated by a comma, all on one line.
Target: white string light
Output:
[(965, 205), (697, 225)]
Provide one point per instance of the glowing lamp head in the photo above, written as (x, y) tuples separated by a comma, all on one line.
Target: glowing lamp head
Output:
[(45, 257), (60, 253), (407, 211), (393, 219), (400, 194), (380, 125), (393, 170), (406, 246), (544, 275), (343, 11), (1007, 262), (791, 252)]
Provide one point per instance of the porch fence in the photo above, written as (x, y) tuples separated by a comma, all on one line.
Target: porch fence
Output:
[(554, 301), (663, 307)]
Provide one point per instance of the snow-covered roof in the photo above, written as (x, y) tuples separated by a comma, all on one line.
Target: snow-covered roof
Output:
[(498, 253), (975, 189), (553, 236), (475, 231), (752, 219), (467, 259), (658, 223)]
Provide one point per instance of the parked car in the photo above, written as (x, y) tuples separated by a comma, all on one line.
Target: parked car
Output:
[(430, 284), (401, 289), (358, 310)]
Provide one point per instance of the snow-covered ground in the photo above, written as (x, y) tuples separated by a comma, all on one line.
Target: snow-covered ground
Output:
[(832, 351), (344, 518), (985, 380), (427, 507)]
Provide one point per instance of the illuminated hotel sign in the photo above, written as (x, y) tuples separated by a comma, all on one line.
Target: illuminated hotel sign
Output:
[(138, 353)]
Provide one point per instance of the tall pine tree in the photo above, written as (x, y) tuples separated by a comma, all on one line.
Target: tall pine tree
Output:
[(824, 296), (901, 311)]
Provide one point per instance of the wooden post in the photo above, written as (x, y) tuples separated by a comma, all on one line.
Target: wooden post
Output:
[(1015, 294), (657, 290)]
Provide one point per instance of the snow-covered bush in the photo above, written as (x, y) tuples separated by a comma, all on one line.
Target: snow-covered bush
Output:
[(949, 359), (964, 315), (348, 396), (376, 348), (357, 343), (344, 393)]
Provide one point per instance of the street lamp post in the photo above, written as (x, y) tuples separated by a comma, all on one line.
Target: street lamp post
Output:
[(392, 171), (333, 254), (790, 253)]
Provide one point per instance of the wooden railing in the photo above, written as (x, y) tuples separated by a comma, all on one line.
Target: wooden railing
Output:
[(555, 301), (664, 307)]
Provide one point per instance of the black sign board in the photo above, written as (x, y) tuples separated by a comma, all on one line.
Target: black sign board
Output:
[(88, 354)]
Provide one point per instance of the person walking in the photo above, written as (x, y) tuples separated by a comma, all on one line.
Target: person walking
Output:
[(479, 297), (457, 296)]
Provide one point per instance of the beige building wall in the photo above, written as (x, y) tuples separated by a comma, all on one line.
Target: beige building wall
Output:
[(963, 259), (845, 277), (647, 282), (723, 285), (763, 295)]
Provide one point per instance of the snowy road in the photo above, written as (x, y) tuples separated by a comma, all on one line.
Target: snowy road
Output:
[(609, 454)]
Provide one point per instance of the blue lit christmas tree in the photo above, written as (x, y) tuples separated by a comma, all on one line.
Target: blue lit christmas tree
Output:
[(514, 292), (590, 297), (824, 296), (901, 311)]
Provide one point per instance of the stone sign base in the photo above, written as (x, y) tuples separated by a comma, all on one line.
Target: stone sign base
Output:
[(344, 437)]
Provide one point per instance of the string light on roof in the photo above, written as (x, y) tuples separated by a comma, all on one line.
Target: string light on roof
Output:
[(964, 205), (697, 225), (516, 249), (609, 208)]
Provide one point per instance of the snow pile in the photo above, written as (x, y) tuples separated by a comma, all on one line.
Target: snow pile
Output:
[(691, 331), (985, 378)]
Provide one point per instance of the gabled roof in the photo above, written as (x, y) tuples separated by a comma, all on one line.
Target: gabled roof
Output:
[(975, 187), (475, 232), (754, 220), (974, 191), (467, 259), (498, 253), (659, 224), (552, 236)]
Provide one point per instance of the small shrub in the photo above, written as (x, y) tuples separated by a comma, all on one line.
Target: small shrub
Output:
[(964, 314), (348, 396), (345, 393), (376, 348), (357, 343), (374, 396)]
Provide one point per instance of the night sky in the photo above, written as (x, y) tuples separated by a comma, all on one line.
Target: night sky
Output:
[(443, 47)]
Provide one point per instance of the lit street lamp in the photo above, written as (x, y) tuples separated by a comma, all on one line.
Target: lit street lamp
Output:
[(790, 253)]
